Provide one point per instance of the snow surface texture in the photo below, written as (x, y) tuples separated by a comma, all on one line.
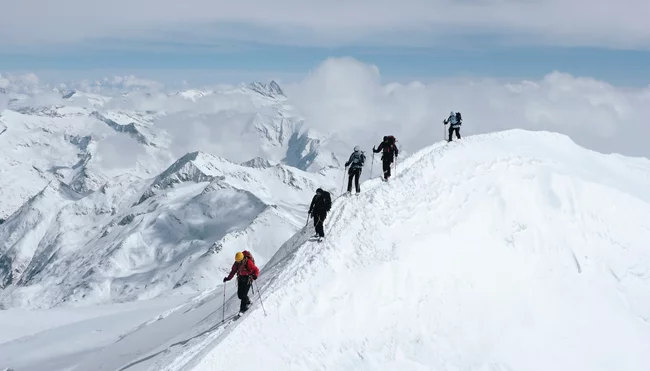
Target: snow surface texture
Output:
[(84, 139), (136, 239), (507, 251), (511, 251)]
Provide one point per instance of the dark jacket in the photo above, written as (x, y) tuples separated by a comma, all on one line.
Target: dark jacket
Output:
[(320, 203), (388, 151)]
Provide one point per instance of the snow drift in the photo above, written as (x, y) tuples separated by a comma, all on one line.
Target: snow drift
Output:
[(508, 251)]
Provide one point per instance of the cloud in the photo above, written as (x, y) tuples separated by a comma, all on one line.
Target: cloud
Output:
[(613, 23), (118, 151), (349, 99), (345, 96)]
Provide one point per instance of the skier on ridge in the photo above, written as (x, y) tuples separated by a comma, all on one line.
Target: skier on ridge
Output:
[(455, 121), (246, 270), (389, 152), (356, 162), (321, 204)]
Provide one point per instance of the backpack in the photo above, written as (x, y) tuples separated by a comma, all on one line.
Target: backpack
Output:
[(358, 159), (325, 200), (391, 143), (459, 119), (247, 254)]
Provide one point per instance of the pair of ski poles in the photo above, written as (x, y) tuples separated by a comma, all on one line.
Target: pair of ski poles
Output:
[(259, 294)]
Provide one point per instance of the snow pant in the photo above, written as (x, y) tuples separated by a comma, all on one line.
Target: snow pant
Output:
[(354, 173), (386, 163), (243, 285), (451, 130), (319, 218)]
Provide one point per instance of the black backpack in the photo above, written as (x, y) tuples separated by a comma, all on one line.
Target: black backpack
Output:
[(459, 119), (391, 143), (323, 201)]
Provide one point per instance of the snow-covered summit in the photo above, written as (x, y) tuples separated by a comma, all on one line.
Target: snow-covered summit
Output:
[(271, 90), (258, 162)]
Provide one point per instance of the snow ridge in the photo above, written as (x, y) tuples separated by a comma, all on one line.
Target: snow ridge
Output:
[(472, 215)]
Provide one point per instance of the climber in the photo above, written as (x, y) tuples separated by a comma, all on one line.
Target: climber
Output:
[(389, 152), (246, 271), (320, 205), (356, 162), (454, 120)]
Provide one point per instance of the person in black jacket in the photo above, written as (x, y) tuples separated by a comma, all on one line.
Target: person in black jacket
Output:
[(388, 151), (320, 206)]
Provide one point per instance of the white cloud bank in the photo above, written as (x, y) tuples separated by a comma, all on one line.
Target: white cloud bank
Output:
[(346, 96), (614, 23)]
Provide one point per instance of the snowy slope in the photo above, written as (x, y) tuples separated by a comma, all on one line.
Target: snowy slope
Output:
[(138, 238), (510, 251)]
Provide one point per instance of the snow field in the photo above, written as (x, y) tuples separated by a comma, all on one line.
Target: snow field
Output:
[(508, 251)]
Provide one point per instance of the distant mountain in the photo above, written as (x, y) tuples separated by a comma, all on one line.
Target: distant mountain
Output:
[(83, 138), (136, 238)]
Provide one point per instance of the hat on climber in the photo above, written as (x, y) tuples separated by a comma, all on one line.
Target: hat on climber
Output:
[(239, 256)]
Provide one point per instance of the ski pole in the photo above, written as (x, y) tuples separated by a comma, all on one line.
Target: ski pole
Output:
[(224, 303), (343, 184), (373, 164), (260, 295), (444, 131)]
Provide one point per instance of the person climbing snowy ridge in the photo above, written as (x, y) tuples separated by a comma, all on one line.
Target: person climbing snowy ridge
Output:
[(356, 163), (320, 205), (246, 270), (454, 120), (388, 151)]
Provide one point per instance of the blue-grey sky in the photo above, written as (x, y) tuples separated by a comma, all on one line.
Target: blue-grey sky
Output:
[(252, 39)]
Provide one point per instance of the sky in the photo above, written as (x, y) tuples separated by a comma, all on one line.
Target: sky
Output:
[(356, 67), (219, 41)]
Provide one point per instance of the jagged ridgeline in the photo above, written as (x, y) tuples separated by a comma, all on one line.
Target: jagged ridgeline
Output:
[(77, 230)]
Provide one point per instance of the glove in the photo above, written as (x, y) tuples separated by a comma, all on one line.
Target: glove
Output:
[(225, 279), (254, 277), (373, 148)]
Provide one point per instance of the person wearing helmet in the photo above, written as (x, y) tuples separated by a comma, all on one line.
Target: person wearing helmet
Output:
[(321, 204), (454, 120), (246, 270), (356, 162), (389, 152)]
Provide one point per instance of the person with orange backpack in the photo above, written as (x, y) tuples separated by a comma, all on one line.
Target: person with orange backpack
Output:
[(246, 270), (388, 151)]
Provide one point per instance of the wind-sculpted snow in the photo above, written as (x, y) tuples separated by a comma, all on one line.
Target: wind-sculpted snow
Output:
[(509, 251), (114, 244)]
